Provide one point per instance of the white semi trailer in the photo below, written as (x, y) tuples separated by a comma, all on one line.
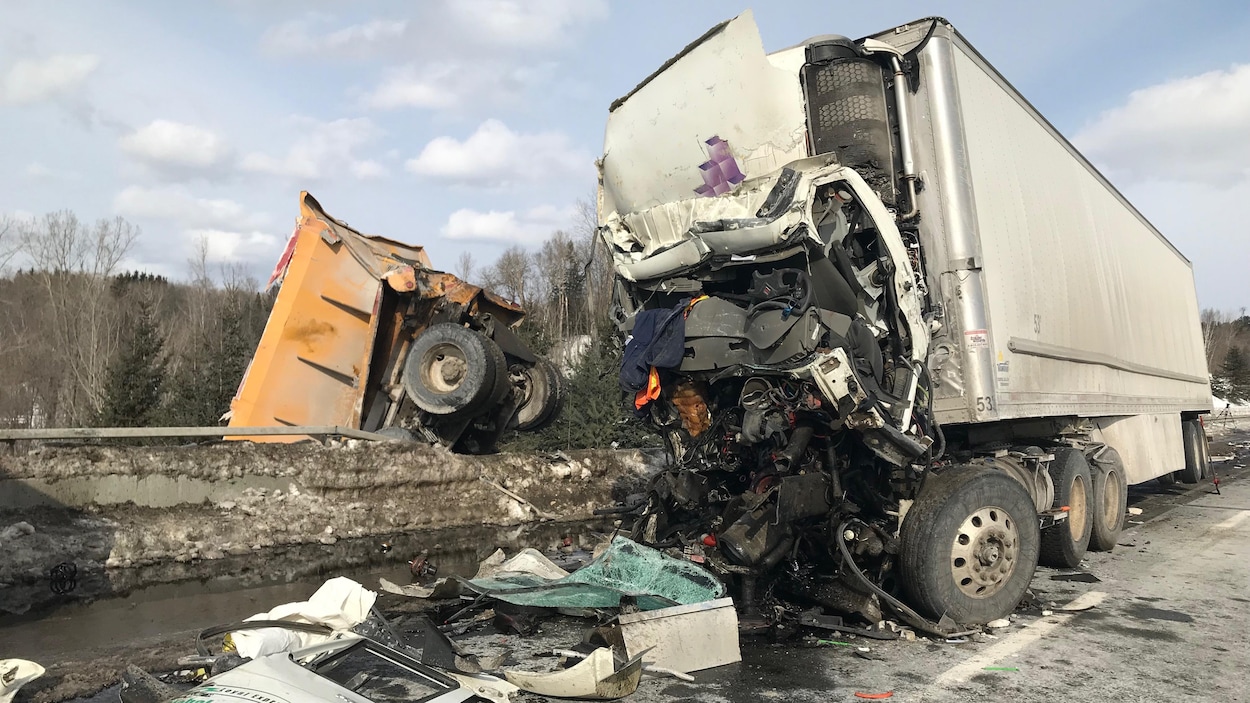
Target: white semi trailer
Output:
[(902, 337)]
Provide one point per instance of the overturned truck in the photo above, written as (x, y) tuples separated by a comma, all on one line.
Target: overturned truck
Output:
[(903, 341), (366, 334)]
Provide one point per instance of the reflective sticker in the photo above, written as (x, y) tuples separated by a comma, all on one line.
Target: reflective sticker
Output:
[(977, 339)]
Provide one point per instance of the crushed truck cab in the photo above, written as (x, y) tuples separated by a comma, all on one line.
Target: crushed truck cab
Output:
[(903, 341), (364, 333)]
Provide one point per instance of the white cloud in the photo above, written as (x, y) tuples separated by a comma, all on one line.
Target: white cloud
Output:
[(444, 84), (1193, 129), (228, 246), (308, 36), (321, 150), (528, 227), (524, 23), (35, 80), (38, 170), (496, 156), (178, 205), (165, 145), (432, 85)]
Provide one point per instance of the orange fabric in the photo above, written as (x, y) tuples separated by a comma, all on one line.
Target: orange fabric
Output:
[(692, 303), (650, 393)]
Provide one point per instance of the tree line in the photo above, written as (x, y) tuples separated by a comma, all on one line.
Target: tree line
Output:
[(1226, 337), (88, 344)]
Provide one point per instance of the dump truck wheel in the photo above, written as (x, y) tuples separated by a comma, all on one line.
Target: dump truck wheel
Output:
[(1167, 480), (1110, 501), (453, 369), (1064, 543), (543, 391), (969, 545), (1196, 462)]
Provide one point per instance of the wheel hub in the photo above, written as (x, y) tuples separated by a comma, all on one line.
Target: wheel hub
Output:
[(444, 368), (984, 551)]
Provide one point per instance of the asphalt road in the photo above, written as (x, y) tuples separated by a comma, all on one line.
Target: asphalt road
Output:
[(1171, 623)]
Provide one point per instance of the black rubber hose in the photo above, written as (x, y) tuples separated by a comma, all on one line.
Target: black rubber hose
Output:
[(255, 625), (912, 618)]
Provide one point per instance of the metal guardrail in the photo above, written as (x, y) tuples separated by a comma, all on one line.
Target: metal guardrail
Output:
[(151, 432)]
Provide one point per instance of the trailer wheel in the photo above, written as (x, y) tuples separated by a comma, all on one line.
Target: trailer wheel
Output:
[(542, 389), (453, 369), (1110, 501), (1196, 453), (969, 545), (1064, 544)]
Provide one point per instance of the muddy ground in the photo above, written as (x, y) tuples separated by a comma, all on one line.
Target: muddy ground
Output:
[(1168, 626), (317, 496)]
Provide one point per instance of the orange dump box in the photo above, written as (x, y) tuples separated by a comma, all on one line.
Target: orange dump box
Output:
[(365, 334)]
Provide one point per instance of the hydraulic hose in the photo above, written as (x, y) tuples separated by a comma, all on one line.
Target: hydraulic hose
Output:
[(910, 616)]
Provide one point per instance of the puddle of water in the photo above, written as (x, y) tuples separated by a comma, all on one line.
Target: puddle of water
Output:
[(227, 590)]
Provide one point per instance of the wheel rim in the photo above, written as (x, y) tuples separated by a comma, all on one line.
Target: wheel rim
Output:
[(1078, 508), (1111, 499), (532, 383), (444, 368), (985, 551)]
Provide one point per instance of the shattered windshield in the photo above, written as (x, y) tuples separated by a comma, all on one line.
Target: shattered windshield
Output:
[(378, 675)]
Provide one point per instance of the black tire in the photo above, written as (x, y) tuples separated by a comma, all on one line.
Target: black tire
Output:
[(1064, 543), (969, 510), (543, 393), (1195, 460), (1167, 480), (453, 370), (1206, 452), (1110, 500)]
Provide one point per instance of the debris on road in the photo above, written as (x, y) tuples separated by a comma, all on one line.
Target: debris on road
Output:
[(684, 638), (626, 569), (339, 605), (875, 696), (15, 673), (597, 677), (1134, 511)]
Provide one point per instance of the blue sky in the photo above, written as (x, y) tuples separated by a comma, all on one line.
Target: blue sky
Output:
[(473, 124)]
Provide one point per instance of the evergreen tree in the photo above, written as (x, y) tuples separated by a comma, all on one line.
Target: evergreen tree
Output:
[(595, 413), (1235, 375), (211, 373), (133, 381)]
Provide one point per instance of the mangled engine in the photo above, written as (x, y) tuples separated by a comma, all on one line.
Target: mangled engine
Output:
[(788, 381)]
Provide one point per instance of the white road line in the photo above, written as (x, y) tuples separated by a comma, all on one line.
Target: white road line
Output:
[(1233, 521), (1018, 641)]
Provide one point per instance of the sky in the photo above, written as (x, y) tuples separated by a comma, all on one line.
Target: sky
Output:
[(473, 125)]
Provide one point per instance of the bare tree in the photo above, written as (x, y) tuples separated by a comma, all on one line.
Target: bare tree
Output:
[(1218, 334), (464, 265), (74, 264), (513, 270), (8, 249)]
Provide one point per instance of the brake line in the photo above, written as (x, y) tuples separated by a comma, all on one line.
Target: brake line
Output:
[(907, 614)]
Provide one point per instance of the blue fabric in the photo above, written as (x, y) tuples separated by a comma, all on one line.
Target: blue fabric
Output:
[(659, 340)]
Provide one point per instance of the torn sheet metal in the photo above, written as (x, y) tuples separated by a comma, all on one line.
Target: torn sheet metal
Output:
[(684, 638), (735, 105), (339, 604), (626, 568), (527, 562), (596, 677), (492, 688)]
